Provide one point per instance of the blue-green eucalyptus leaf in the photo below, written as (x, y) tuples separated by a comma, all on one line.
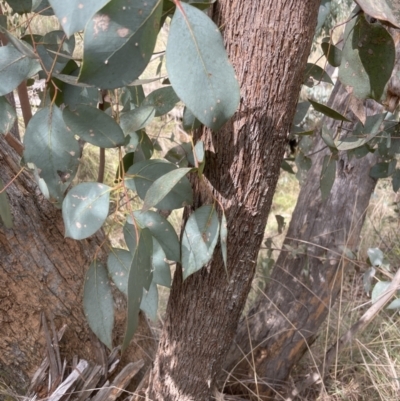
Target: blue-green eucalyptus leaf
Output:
[(94, 126), (98, 303), (199, 69), (199, 239), (53, 150), (85, 208)]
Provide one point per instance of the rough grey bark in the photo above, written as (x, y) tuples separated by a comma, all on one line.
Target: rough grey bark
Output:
[(285, 319), (43, 272), (268, 42)]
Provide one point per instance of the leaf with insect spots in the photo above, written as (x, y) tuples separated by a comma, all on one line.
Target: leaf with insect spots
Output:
[(74, 14), (199, 239), (98, 303), (119, 41), (163, 100), (368, 58), (144, 173), (161, 229), (94, 126), (53, 150), (85, 208), (199, 69)]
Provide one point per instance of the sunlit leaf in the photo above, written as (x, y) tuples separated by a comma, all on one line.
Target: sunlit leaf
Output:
[(73, 14), (199, 69), (375, 256), (386, 10), (119, 41), (199, 239), (367, 59), (379, 289), (119, 264), (98, 303), (85, 209), (394, 304), (94, 126)]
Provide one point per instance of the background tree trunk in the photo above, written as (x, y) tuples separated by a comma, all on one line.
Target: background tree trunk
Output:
[(268, 42), (41, 271), (286, 317)]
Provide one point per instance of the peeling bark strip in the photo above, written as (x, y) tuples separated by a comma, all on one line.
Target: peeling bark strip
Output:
[(268, 42), (285, 319)]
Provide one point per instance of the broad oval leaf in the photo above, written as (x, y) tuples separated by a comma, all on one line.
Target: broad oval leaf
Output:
[(85, 209), (98, 303), (15, 67), (394, 304), (174, 180), (161, 229), (146, 172), (199, 239), (386, 10), (199, 69), (140, 276), (379, 289), (53, 150), (55, 50), (375, 256), (73, 14), (119, 264), (137, 119), (327, 111), (301, 111), (368, 58), (94, 126), (7, 116), (163, 100), (119, 41)]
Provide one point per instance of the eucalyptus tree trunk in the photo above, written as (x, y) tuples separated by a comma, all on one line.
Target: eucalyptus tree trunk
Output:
[(43, 272), (287, 315), (268, 42)]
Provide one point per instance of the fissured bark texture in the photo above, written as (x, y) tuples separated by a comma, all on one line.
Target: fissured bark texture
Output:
[(43, 272), (268, 42)]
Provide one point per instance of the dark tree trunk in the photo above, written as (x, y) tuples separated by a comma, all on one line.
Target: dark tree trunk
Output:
[(285, 319), (268, 42), (42, 272)]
